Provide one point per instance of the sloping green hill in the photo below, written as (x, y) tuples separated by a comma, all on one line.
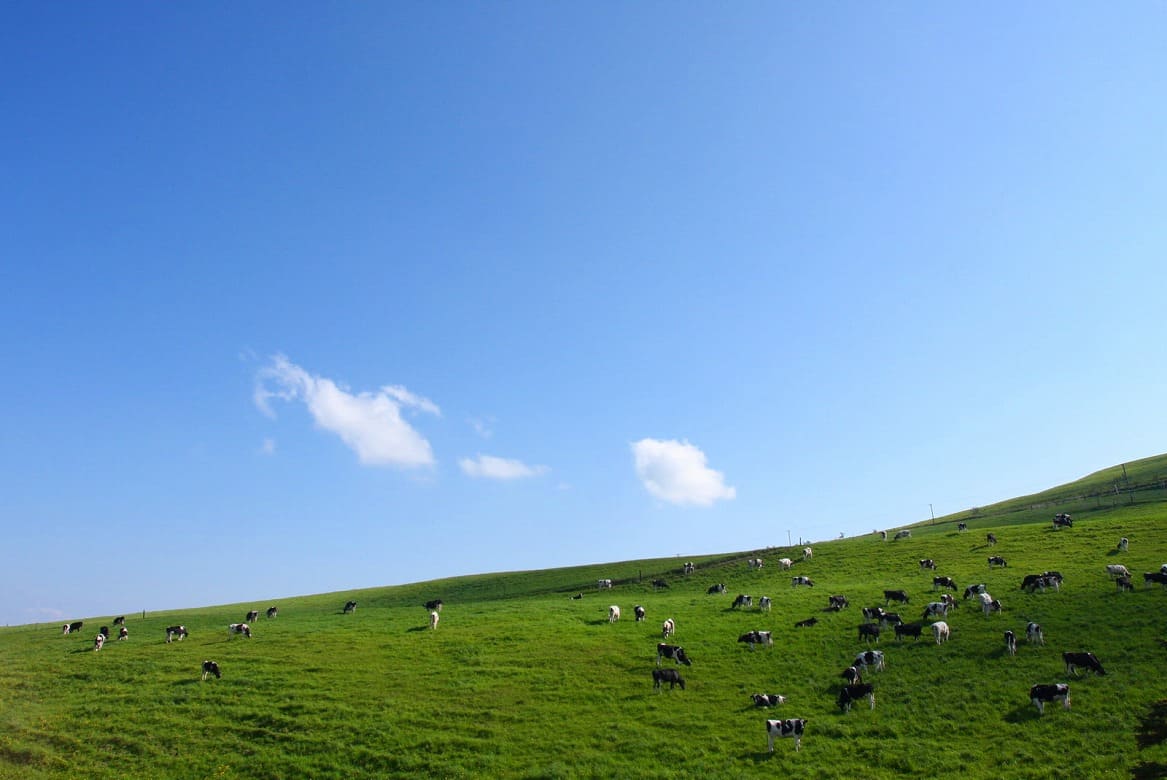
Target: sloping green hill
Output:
[(519, 680)]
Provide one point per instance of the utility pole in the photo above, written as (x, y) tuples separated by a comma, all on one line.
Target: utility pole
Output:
[(932, 513), (787, 538)]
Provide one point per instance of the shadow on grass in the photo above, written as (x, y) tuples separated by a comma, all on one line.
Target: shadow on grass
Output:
[(1025, 714)]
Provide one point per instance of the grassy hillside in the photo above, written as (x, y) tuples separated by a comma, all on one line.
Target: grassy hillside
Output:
[(521, 681)]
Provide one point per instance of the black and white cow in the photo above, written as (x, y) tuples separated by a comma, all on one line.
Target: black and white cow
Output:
[(810, 621), (668, 628), (1034, 634), (688, 568), (851, 675), (604, 584), (123, 633), (1062, 520), (349, 607), (1087, 661), (613, 613), (675, 652), (989, 604), (670, 676), (768, 699), (1123, 544), (835, 603), (791, 727), (1155, 576), (175, 632), (785, 564), (868, 631), (72, 628), (272, 612), (1124, 584), (943, 582), (991, 539), (98, 642), (1117, 570), (997, 560), (576, 597), (949, 600), (742, 601), (796, 581), (928, 563), (853, 693), (210, 667), (962, 526), (755, 563), (869, 659), (935, 609), (659, 584), (905, 534), (975, 590), (718, 588), (908, 629), (890, 619), (436, 616), (252, 616), (753, 638), (104, 631), (239, 628), (873, 613), (1010, 643), (765, 604), (119, 621), (1030, 582), (1040, 694), (895, 595), (639, 612), (435, 605)]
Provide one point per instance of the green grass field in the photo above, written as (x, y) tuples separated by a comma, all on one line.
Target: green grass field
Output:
[(521, 681)]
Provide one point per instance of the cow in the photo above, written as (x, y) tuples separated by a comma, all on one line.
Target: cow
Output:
[(975, 590), (1034, 634), (123, 633), (175, 632), (638, 611), (1124, 583), (895, 595), (991, 539), (796, 581), (119, 621), (792, 727), (210, 667), (835, 603), (688, 568), (1040, 694), (752, 638), (1030, 582), (873, 613), (1048, 581), (935, 609), (272, 612), (943, 582), (714, 589), (785, 563), (755, 563), (989, 604), (72, 628), (1085, 660), (1062, 520), (810, 621), (941, 631), (868, 631), (98, 642), (905, 534), (675, 652), (890, 619), (883, 535), (434, 605), (576, 597), (852, 675), (997, 560), (768, 699), (928, 563), (807, 553), (668, 628), (908, 629), (962, 526), (1155, 576), (604, 584), (659, 584), (239, 628), (252, 616), (869, 659), (1163, 569), (764, 603), (1117, 570), (434, 618), (349, 607), (1123, 543), (949, 600), (104, 631), (742, 601), (670, 676), (853, 693), (613, 613)]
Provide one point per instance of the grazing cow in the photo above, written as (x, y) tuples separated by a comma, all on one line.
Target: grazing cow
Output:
[(1048, 581), (239, 628), (434, 605), (943, 582), (869, 659), (272, 612), (1034, 634), (1062, 520), (123, 633), (1117, 570), (755, 563), (974, 590), (1123, 543), (349, 607), (895, 595), (835, 603), (576, 597), (718, 588), (764, 603), (670, 676), (742, 601), (890, 619), (668, 628), (675, 652), (98, 642), (604, 584), (252, 616), (883, 535), (175, 632), (210, 667), (70, 628), (768, 699), (873, 613), (903, 535), (1085, 660), (810, 621), (613, 613), (792, 727), (941, 631), (949, 600), (104, 631), (688, 568), (1124, 583), (785, 563), (658, 584), (853, 693), (796, 581), (997, 560), (1032, 582), (962, 526), (908, 629), (807, 553), (851, 675), (752, 638), (1163, 569), (935, 609), (991, 539), (1155, 576), (1040, 694), (928, 563), (119, 621), (639, 612), (868, 631), (989, 604), (1010, 643), (434, 618)]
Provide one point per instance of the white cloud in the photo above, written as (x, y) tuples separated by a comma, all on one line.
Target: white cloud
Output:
[(491, 467), (268, 447), (370, 424), (675, 471)]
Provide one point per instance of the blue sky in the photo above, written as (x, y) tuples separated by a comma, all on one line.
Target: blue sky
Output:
[(304, 298)]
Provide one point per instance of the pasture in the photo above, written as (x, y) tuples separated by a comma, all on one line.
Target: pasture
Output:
[(520, 680)]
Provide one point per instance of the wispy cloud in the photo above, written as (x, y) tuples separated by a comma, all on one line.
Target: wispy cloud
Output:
[(484, 427), (369, 423), (268, 447), (676, 472), (491, 467)]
